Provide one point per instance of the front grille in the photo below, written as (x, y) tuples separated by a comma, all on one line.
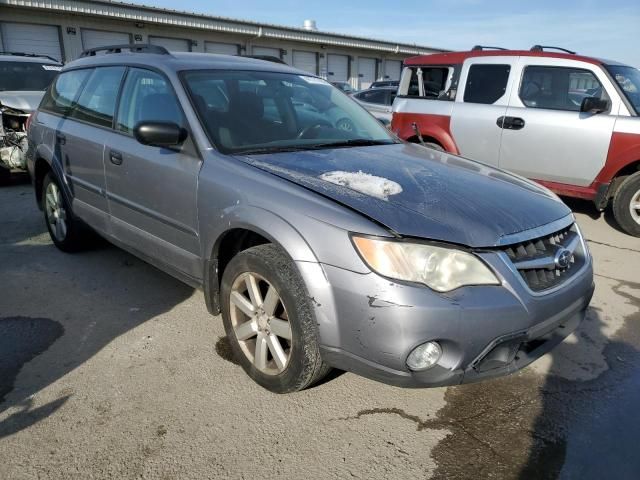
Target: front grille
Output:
[(539, 260)]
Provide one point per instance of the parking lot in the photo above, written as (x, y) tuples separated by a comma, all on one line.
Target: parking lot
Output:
[(110, 368)]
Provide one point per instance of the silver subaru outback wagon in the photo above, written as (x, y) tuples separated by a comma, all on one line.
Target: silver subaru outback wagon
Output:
[(322, 239)]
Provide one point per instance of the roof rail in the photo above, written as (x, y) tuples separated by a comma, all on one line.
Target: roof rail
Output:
[(31, 55), (485, 47), (132, 47), (542, 48), (266, 58)]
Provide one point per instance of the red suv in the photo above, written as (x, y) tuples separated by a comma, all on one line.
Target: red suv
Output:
[(567, 121)]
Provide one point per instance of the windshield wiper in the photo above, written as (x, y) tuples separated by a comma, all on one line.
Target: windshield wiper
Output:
[(354, 142)]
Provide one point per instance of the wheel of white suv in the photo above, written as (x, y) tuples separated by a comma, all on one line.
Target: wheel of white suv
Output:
[(65, 230), (269, 320), (626, 205)]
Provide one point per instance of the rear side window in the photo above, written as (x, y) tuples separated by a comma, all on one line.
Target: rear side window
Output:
[(558, 88), (435, 80), (97, 102), (486, 83), (60, 97), (147, 96), (373, 96)]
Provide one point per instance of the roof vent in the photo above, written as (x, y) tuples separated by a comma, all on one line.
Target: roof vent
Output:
[(310, 25)]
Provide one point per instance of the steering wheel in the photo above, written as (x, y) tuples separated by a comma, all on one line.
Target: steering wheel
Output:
[(308, 129)]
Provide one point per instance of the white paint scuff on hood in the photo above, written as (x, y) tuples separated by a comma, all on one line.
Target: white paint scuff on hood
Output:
[(362, 182)]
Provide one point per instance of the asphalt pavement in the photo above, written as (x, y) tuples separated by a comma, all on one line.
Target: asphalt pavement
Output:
[(110, 368)]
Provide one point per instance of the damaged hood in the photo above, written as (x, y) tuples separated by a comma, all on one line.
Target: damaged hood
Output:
[(25, 101), (419, 192)]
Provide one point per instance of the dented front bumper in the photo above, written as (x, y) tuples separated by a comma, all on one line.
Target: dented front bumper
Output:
[(369, 324)]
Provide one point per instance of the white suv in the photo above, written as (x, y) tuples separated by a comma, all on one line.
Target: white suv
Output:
[(567, 121)]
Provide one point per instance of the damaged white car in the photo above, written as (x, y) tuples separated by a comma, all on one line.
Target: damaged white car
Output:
[(23, 81)]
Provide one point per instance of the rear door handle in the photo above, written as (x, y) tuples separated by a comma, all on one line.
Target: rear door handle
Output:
[(510, 123), (61, 138), (115, 157)]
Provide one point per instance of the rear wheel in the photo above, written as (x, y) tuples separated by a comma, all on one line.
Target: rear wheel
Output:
[(626, 205), (65, 230), (269, 321)]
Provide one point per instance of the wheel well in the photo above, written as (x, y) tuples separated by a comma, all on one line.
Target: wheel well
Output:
[(426, 138), (228, 246), (619, 177), (40, 170), (233, 242)]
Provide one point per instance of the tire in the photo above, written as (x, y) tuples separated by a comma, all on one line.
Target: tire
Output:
[(271, 268), (66, 231), (628, 196)]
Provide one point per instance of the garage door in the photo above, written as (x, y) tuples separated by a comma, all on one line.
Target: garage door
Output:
[(337, 68), (272, 52), (171, 44), (307, 61), (366, 71), (392, 69), (223, 48), (31, 38), (101, 38)]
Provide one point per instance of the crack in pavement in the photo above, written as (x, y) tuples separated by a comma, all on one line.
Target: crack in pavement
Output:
[(613, 246), (435, 424)]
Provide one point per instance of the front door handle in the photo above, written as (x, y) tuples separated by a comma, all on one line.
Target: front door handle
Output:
[(510, 123), (115, 157), (61, 138)]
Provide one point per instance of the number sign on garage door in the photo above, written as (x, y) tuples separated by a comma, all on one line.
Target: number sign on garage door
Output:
[(222, 48), (337, 68), (392, 69), (171, 44), (366, 71), (101, 38), (307, 61), (31, 38), (269, 51)]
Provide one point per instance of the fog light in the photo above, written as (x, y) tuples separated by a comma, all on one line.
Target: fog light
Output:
[(424, 356)]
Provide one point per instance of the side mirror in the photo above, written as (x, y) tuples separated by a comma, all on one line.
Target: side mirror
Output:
[(160, 134), (594, 105), (385, 123)]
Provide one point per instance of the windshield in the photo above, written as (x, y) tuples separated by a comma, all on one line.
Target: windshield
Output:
[(628, 79), (262, 112), (26, 76)]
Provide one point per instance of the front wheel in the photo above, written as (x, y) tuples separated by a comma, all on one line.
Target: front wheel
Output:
[(269, 321), (626, 205)]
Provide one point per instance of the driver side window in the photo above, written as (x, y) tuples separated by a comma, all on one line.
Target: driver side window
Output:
[(558, 88), (147, 96)]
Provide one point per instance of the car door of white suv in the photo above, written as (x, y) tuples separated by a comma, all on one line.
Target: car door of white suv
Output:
[(483, 96), (545, 135)]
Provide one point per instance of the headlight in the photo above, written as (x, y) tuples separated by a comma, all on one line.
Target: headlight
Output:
[(442, 269)]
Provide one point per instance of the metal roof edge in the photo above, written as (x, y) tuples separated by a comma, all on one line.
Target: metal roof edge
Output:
[(149, 14)]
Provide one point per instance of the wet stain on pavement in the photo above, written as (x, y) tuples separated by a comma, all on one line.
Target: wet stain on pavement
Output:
[(530, 427), (223, 349), (21, 340)]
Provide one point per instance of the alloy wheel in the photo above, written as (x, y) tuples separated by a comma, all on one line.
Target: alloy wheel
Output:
[(56, 213), (261, 323), (634, 207)]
